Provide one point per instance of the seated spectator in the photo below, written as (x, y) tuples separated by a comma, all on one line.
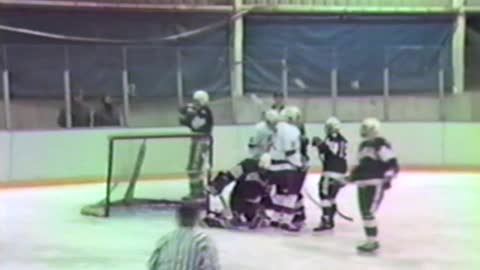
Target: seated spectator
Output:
[(80, 112), (106, 115)]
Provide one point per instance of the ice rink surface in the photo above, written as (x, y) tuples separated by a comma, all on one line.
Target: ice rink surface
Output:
[(427, 221)]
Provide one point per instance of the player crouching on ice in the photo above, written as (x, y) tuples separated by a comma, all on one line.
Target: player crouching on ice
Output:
[(332, 152), (248, 194), (377, 167), (198, 117)]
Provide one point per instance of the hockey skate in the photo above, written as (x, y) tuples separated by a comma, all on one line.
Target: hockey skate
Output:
[(368, 247), (325, 225), (237, 221), (274, 224), (259, 221), (290, 227)]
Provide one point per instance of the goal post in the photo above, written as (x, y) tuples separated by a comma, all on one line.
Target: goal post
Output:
[(151, 170)]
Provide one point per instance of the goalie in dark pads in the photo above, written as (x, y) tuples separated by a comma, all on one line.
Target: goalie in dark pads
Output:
[(248, 195), (198, 117), (333, 152), (377, 167)]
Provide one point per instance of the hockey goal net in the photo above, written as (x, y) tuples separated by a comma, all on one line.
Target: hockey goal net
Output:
[(152, 170)]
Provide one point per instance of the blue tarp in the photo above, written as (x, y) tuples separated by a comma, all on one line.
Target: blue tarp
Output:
[(414, 48), (36, 64)]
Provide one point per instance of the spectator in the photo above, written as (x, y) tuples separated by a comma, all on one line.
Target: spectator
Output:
[(79, 111), (185, 248), (106, 115), (278, 102)]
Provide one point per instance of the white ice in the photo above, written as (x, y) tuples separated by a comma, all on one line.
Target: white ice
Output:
[(427, 221)]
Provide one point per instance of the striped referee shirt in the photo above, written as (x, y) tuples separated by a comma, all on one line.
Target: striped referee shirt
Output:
[(184, 249)]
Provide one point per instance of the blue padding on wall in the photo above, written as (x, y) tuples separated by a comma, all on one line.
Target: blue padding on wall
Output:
[(414, 48), (36, 64)]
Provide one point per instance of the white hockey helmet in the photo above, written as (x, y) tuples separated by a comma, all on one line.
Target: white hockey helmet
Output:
[(272, 116), (370, 127), (201, 97), (265, 161), (291, 114), (332, 125)]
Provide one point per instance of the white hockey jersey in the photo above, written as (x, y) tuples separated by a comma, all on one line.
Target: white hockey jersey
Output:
[(261, 141), (285, 149)]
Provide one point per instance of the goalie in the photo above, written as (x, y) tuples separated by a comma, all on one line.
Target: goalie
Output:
[(247, 197), (198, 117)]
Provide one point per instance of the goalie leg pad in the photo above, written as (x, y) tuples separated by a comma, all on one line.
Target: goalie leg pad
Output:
[(197, 159)]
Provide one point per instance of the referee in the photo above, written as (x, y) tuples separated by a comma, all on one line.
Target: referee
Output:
[(185, 248)]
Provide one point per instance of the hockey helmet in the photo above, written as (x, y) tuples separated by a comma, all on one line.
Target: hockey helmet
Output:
[(272, 116), (201, 97), (332, 125), (370, 127), (291, 114)]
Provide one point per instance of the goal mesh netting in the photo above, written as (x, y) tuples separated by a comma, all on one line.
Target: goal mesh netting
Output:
[(150, 170)]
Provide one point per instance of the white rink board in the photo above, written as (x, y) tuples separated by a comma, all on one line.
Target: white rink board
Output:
[(427, 221)]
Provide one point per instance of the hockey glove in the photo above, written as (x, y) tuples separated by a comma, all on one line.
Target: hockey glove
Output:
[(388, 178)]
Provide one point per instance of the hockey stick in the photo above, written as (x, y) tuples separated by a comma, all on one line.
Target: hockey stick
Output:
[(310, 197)]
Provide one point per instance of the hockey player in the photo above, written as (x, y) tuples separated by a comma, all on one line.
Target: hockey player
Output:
[(332, 151), (294, 117), (251, 182), (377, 167), (261, 141), (198, 117), (286, 171)]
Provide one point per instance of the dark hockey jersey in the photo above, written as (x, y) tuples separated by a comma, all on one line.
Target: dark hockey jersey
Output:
[(197, 119), (248, 170), (334, 153), (376, 160), (250, 180)]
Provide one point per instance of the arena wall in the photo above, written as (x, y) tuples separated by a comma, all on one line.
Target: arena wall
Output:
[(80, 155)]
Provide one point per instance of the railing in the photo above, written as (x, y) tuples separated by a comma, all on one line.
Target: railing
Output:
[(174, 5), (179, 2), (367, 4), (149, 83), (356, 3)]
